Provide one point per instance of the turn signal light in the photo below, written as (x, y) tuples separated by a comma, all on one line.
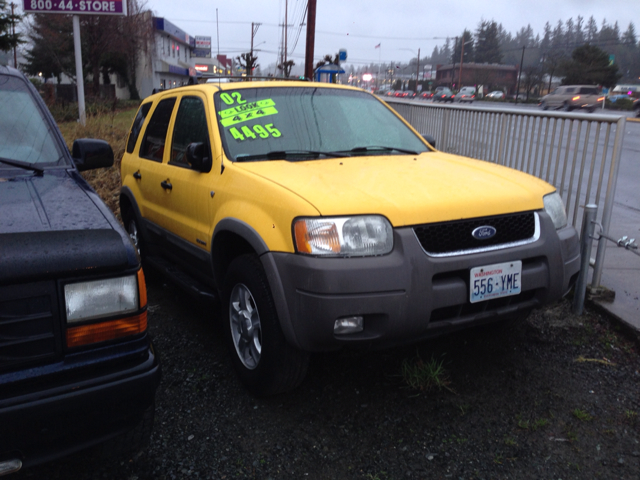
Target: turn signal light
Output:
[(104, 331), (576, 98)]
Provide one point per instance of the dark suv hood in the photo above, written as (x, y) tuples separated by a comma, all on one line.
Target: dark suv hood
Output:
[(50, 226), (51, 202)]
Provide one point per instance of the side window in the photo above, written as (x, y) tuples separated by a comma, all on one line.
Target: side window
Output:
[(570, 90), (155, 136), (137, 126), (190, 127)]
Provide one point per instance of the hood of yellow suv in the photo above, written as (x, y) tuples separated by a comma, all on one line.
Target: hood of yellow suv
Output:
[(407, 189)]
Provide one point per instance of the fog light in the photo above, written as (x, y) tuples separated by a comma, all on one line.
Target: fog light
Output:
[(348, 325)]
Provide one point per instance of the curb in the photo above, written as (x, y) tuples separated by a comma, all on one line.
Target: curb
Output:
[(633, 119), (628, 329)]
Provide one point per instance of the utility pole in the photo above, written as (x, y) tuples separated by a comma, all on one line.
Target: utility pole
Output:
[(418, 71), (461, 60), (286, 26), (453, 69), (520, 74), (254, 30), (13, 33), (311, 37)]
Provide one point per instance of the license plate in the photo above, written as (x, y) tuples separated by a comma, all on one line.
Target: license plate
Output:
[(495, 281)]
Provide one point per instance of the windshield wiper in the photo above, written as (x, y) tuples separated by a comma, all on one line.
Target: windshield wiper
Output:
[(23, 165), (379, 148), (286, 155)]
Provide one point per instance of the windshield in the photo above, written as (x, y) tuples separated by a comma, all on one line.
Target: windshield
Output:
[(308, 123), (25, 136)]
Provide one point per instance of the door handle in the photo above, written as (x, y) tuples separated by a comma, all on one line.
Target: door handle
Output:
[(137, 175), (166, 185)]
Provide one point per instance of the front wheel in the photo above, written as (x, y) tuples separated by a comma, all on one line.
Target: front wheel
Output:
[(133, 229), (264, 361), (566, 107), (544, 106)]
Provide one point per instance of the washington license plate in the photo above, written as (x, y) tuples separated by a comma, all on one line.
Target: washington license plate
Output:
[(495, 281)]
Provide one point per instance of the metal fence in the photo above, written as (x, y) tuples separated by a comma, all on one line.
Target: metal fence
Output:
[(578, 153)]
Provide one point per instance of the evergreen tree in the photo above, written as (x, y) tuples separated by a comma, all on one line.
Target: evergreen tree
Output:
[(589, 65), (468, 55), (592, 30), (487, 48), (51, 52), (7, 39)]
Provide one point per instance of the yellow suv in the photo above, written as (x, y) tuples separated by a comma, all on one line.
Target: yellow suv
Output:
[(322, 220)]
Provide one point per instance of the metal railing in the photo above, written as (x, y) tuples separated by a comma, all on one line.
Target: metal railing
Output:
[(578, 153)]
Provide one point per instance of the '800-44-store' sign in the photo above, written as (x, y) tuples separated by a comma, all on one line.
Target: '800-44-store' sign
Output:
[(76, 7)]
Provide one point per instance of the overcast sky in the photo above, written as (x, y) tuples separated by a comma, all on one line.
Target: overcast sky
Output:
[(401, 27)]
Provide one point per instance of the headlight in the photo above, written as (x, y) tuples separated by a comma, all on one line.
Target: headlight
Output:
[(554, 206), (101, 298), (344, 236)]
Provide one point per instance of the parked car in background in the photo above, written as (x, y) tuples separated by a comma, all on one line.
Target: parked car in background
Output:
[(390, 93), (443, 95), (636, 107), (426, 95), (496, 95), (77, 368), (323, 220), (573, 97), (466, 94)]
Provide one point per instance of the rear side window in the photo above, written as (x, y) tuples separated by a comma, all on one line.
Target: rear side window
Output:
[(190, 127), (137, 126), (152, 147)]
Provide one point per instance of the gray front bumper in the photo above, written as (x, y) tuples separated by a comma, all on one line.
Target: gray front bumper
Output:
[(407, 295)]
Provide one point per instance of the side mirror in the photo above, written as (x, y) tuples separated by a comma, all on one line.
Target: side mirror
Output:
[(198, 157), (90, 153), (430, 139)]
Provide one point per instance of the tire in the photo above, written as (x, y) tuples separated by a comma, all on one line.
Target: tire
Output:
[(263, 359), (544, 106), (133, 229), (566, 107)]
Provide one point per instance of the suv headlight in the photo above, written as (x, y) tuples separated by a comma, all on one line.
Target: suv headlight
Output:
[(357, 236), (554, 207), (101, 298), (105, 309)]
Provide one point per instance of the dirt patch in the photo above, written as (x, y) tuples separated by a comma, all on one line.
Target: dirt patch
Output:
[(556, 396)]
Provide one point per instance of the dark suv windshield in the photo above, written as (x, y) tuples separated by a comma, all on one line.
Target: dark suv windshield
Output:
[(25, 136), (309, 123)]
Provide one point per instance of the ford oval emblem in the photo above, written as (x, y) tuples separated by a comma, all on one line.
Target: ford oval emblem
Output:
[(484, 232)]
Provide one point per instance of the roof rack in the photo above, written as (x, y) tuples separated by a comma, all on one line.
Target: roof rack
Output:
[(249, 78)]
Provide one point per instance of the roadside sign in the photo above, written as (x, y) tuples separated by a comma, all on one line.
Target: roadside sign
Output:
[(76, 7)]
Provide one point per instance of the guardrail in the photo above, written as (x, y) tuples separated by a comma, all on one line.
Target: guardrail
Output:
[(578, 153)]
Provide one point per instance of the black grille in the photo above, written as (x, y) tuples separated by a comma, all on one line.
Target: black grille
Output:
[(456, 236), (29, 330)]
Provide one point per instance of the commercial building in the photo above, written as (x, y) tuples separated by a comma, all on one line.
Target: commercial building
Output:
[(490, 76)]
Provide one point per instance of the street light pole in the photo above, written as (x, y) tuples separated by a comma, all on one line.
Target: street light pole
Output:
[(520, 74)]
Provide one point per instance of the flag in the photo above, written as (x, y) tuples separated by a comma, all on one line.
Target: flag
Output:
[(378, 46)]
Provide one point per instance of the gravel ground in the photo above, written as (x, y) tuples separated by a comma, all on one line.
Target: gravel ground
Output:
[(553, 397)]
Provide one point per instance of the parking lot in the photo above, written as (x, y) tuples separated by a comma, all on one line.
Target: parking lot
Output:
[(554, 397)]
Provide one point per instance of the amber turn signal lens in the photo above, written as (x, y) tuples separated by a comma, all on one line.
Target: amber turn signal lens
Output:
[(104, 331)]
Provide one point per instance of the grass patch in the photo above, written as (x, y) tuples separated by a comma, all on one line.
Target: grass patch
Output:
[(425, 376), (112, 126), (582, 415)]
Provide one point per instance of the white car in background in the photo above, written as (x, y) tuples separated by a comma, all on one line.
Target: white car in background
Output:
[(496, 95)]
